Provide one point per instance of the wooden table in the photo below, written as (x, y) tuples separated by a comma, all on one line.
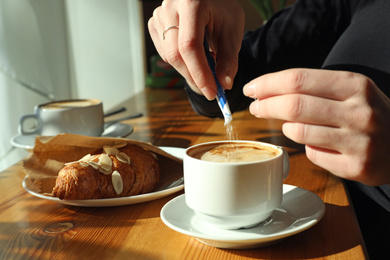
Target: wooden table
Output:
[(34, 228)]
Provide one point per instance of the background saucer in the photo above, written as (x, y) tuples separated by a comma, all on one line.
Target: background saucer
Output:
[(114, 130)]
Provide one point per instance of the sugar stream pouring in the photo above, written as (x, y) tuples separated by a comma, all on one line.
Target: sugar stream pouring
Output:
[(221, 97)]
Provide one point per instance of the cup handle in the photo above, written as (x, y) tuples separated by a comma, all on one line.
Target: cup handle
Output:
[(286, 163), (22, 130)]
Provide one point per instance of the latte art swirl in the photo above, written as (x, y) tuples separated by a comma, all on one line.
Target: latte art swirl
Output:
[(239, 152)]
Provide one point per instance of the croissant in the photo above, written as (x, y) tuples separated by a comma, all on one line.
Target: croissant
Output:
[(115, 172)]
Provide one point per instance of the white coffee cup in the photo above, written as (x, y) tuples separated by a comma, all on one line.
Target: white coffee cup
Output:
[(76, 116), (233, 195)]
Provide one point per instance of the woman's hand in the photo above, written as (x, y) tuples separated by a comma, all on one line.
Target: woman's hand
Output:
[(223, 23), (341, 117)]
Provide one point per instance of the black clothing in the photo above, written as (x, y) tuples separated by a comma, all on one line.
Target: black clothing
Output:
[(350, 35)]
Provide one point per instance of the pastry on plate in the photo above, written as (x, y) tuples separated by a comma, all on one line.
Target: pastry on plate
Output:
[(115, 171)]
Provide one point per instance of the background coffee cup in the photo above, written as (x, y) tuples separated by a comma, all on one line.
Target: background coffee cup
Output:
[(232, 195), (76, 116)]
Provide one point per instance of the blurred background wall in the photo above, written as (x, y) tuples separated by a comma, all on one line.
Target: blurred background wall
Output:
[(60, 49)]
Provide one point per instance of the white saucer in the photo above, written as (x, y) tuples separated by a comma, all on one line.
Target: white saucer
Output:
[(300, 210), (114, 130)]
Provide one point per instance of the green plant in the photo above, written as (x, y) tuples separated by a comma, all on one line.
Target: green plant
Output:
[(266, 8)]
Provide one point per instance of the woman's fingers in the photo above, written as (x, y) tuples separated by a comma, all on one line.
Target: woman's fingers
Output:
[(327, 84), (227, 64), (347, 166), (190, 47), (183, 46), (321, 136), (166, 40), (300, 108), (341, 117)]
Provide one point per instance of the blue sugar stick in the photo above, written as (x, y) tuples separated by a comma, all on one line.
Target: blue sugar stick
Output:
[(221, 97)]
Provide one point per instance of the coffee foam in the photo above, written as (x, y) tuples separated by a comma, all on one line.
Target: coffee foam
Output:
[(237, 152), (70, 103)]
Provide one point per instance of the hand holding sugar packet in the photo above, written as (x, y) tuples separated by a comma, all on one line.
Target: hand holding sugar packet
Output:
[(221, 97)]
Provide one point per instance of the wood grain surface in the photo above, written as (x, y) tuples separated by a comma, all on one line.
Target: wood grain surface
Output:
[(33, 228)]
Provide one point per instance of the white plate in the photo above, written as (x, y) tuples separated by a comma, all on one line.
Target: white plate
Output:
[(114, 130), (300, 210), (175, 186)]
